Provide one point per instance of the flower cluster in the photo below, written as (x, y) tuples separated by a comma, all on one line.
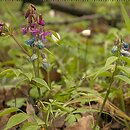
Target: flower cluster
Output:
[(3, 29), (35, 27), (122, 47)]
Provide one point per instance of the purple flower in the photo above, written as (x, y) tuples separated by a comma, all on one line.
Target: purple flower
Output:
[(33, 25), (24, 30), (41, 21), (1, 27), (34, 31), (1, 24), (44, 34)]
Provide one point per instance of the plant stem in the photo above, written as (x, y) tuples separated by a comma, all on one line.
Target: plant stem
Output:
[(38, 62), (15, 102), (122, 99), (106, 96), (123, 104), (48, 77), (38, 68), (19, 44), (34, 69)]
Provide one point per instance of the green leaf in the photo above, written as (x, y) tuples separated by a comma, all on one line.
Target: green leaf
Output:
[(17, 72), (102, 70), (30, 126), (125, 69), (70, 119), (123, 78), (5, 72), (8, 110), (110, 60), (41, 82), (16, 119), (49, 52), (103, 73), (125, 16), (19, 102), (125, 59), (38, 120), (10, 72), (61, 107), (29, 76), (80, 110)]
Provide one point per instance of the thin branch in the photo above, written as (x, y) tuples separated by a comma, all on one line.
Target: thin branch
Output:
[(23, 49)]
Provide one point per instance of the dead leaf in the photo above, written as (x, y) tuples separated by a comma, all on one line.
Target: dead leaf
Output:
[(85, 123), (30, 110)]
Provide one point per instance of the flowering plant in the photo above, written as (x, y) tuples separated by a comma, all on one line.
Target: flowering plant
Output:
[(36, 28), (122, 47)]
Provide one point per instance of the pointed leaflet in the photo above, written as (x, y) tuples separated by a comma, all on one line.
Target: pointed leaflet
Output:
[(17, 72), (8, 110), (30, 126), (16, 119), (125, 69), (102, 70), (125, 59), (41, 82), (28, 75), (5, 72), (123, 78), (110, 60), (14, 72)]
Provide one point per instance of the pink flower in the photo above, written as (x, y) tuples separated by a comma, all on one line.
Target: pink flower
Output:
[(1, 27), (41, 21), (24, 30), (1, 24), (34, 31), (44, 34)]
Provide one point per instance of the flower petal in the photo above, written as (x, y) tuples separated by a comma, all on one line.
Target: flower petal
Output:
[(30, 42), (41, 21), (34, 31), (24, 30)]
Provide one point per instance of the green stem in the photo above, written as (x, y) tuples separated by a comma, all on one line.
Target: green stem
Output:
[(38, 62), (15, 102), (109, 89), (34, 69), (48, 77), (123, 105), (19, 44), (38, 68), (122, 99), (106, 97)]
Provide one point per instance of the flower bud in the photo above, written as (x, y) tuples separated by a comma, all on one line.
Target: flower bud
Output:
[(30, 42), (40, 45), (126, 46), (24, 30), (33, 57), (56, 37), (114, 49), (125, 53), (45, 65), (41, 21)]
